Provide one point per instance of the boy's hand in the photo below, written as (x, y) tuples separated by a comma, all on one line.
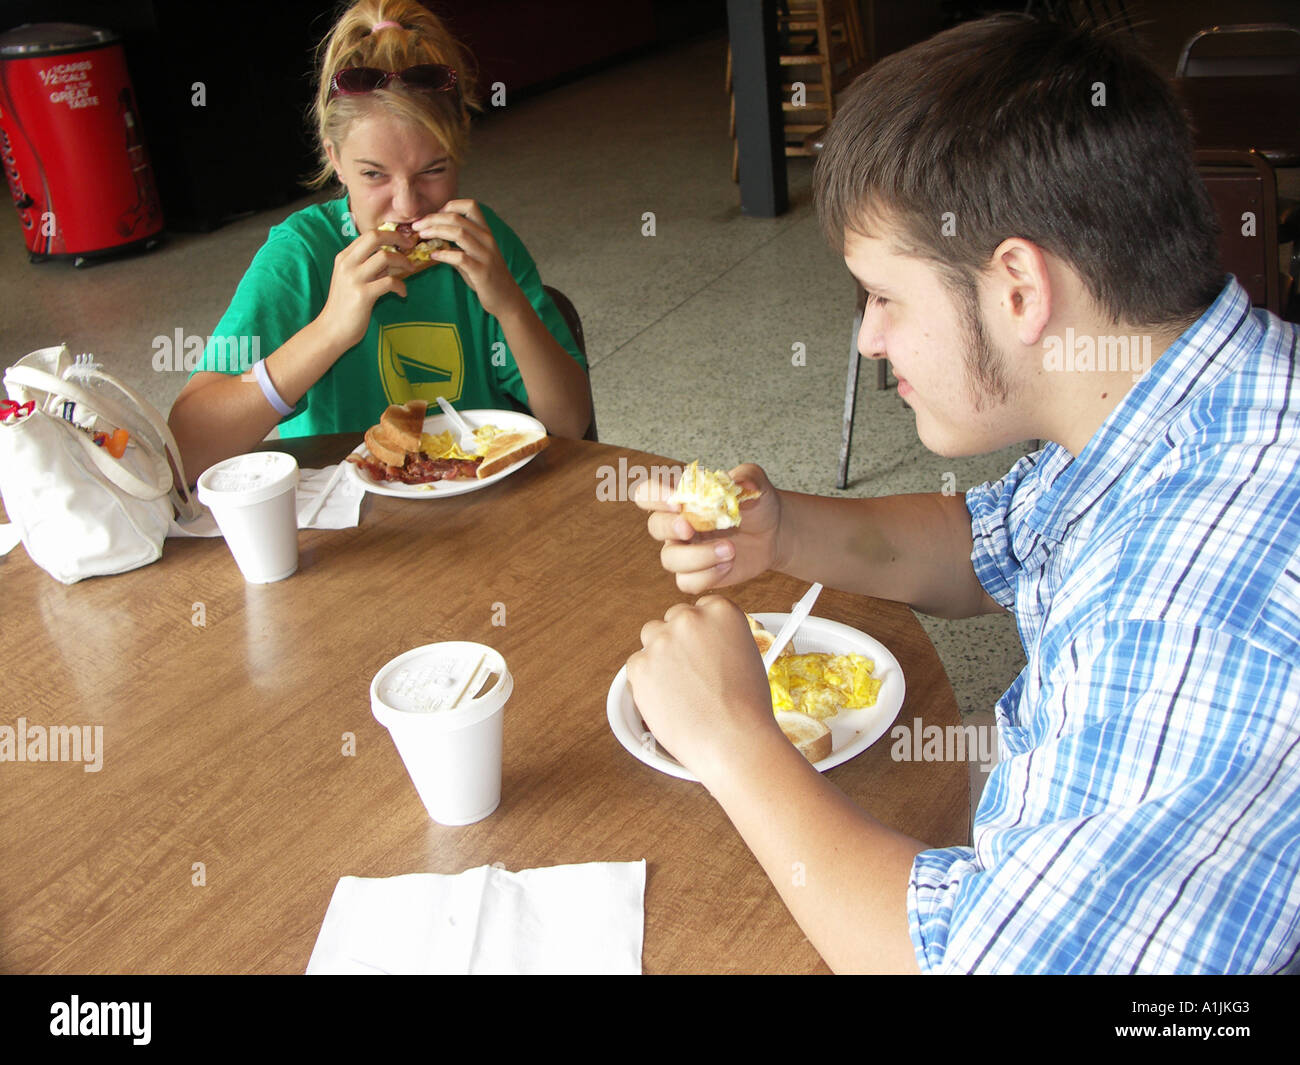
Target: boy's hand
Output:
[(477, 258), (699, 685), (716, 559)]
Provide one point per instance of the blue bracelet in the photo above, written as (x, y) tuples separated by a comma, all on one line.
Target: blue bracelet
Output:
[(268, 390)]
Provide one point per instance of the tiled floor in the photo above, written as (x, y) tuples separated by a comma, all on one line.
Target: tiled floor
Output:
[(690, 331)]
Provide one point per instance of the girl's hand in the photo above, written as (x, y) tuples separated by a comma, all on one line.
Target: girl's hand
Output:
[(362, 273), (476, 258)]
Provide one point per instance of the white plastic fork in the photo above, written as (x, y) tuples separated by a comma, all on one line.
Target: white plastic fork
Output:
[(83, 365), (797, 617), (468, 442)]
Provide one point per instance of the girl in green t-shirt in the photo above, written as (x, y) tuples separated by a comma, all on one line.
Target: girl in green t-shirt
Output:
[(330, 299)]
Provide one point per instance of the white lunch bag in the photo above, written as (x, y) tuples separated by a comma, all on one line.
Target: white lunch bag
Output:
[(79, 511)]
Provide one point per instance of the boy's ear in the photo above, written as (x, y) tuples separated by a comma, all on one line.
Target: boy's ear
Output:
[(1021, 283)]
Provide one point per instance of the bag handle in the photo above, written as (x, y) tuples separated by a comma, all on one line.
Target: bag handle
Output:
[(32, 378), (156, 482), (120, 474), (186, 505)]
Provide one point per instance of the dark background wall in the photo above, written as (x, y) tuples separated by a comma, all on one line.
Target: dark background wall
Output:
[(249, 146)]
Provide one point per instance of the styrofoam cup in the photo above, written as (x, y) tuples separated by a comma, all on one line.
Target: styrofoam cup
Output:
[(447, 726), (254, 499)]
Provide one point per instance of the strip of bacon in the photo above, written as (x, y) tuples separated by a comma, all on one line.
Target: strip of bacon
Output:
[(419, 469)]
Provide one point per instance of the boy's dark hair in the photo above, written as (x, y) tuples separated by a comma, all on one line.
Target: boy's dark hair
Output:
[(1024, 128)]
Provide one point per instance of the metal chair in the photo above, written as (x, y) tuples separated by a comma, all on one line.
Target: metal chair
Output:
[(570, 315), (1242, 187), (1246, 51), (1243, 50), (851, 388)]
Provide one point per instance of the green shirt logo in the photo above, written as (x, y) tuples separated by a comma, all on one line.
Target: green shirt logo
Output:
[(421, 360)]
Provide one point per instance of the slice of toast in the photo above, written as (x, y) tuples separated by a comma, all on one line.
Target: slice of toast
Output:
[(398, 433), (383, 447), (403, 425), (812, 737), (765, 639), (508, 448)]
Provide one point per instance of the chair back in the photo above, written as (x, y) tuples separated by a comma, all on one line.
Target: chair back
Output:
[(570, 315), (1245, 50), (1244, 192)]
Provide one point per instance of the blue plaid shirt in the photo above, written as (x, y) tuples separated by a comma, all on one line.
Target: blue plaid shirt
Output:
[(1145, 816)]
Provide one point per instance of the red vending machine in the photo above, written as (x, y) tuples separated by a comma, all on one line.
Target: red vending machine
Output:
[(70, 143)]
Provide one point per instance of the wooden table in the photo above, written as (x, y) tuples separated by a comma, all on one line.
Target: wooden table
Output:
[(1256, 112), (243, 772)]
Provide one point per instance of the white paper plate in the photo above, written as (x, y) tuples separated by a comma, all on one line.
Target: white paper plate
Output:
[(508, 420), (852, 731)]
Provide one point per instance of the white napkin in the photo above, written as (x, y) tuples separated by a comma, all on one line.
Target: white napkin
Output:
[(341, 509), (571, 919)]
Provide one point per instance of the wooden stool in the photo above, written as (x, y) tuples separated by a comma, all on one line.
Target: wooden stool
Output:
[(822, 51)]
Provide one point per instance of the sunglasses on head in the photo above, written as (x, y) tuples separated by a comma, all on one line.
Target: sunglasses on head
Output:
[(353, 81)]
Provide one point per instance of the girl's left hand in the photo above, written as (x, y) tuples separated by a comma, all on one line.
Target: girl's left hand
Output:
[(476, 256)]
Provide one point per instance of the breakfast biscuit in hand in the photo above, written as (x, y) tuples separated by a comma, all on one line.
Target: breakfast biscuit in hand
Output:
[(710, 499)]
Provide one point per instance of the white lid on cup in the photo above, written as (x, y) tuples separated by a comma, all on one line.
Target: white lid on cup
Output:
[(248, 479), (441, 684)]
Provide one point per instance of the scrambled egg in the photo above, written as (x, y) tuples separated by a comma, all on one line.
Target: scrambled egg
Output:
[(821, 685), (707, 492), (422, 252), (485, 434), (446, 445)]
